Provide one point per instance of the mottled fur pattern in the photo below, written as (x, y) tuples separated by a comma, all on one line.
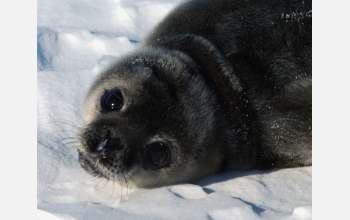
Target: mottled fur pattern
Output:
[(227, 82)]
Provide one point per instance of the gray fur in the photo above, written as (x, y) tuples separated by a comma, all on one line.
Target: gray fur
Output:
[(227, 83)]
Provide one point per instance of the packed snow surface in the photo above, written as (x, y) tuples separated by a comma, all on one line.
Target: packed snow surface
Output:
[(78, 38)]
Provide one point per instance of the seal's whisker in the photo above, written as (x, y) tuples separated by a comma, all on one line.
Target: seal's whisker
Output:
[(121, 188), (70, 142), (70, 138), (60, 123), (55, 150), (126, 186)]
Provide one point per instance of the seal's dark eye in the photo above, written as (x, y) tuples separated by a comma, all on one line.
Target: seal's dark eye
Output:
[(112, 100), (156, 155)]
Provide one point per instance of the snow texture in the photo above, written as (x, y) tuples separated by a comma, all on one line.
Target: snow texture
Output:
[(76, 40)]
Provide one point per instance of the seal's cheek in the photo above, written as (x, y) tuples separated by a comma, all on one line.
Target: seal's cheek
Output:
[(90, 109)]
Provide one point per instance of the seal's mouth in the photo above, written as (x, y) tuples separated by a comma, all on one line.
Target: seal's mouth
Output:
[(106, 167), (154, 156)]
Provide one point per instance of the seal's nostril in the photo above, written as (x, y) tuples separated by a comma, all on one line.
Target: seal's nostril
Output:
[(114, 144), (104, 143), (101, 146)]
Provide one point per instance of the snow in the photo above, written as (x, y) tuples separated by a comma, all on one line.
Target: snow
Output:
[(76, 40)]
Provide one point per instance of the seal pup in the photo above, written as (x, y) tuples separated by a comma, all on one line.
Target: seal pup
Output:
[(217, 85)]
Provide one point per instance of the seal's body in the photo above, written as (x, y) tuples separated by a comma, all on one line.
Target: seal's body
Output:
[(218, 84)]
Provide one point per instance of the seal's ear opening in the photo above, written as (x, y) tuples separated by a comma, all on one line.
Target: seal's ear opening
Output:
[(216, 70)]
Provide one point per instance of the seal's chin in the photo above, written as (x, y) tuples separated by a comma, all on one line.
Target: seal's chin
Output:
[(104, 167)]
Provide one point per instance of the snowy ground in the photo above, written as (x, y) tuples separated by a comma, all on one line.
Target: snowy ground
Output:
[(76, 38)]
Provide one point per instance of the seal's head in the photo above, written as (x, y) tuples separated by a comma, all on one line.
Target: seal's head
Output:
[(153, 120)]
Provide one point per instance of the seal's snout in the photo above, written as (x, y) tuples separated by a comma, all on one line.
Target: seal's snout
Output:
[(105, 152), (104, 145), (109, 145)]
